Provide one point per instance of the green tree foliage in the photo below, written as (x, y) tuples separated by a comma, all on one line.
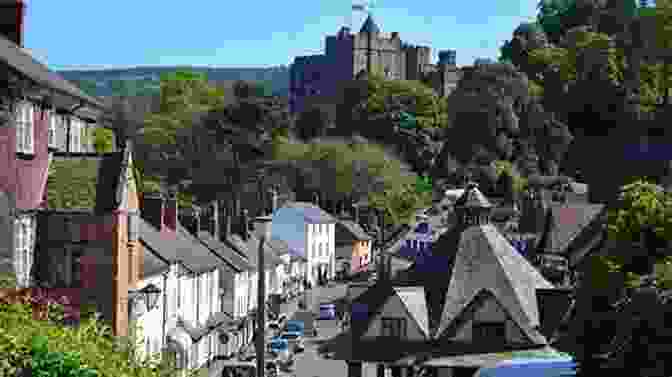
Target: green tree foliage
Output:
[(506, 167), (103, 140), (340, 169), (27, 339), (312, 123), (642, 205)]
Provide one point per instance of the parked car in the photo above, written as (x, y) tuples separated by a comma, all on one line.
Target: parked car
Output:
[(327, 311), (294, 340)]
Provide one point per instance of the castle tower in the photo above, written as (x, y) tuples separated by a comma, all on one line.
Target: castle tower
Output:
[(371, 29)]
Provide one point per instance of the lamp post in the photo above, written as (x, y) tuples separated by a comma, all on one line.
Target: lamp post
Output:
[(262, 228)]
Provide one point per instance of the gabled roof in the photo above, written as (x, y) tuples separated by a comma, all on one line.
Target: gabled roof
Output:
[(485, 260), (21, 61), (312, 214), (235, 260), (567, 222), (348, 230), (370, 26), (416, 305), (92, 182), (179, 246), (472, 197)]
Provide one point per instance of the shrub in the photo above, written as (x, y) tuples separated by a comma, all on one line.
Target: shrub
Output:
[(89, 346)]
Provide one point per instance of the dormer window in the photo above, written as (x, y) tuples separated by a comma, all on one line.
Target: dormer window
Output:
[(25, 128)]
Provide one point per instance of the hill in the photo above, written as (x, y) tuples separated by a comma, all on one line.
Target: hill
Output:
[(145, 80)]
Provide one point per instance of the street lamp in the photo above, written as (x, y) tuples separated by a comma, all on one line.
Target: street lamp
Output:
[(149, 295), (262, 229)]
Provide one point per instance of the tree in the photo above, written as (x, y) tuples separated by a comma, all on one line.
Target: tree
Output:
[(312, 123)]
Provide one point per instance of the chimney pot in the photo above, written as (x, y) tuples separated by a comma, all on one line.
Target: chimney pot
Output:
[(12, 19)]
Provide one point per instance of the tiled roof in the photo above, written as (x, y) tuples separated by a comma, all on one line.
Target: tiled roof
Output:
[(20, 60), (348, 230), (311, 213), (416, 305), (473, 197), (84, 181), (179, 246), (567, 222), (487, 261), (234, 259)]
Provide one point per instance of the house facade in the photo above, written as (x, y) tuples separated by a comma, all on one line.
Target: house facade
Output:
[(195, 325), (311, 231), (353, 247), (87, 238), (24, 138)]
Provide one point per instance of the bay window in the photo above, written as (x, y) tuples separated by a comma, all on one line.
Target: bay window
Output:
[(25, 127)]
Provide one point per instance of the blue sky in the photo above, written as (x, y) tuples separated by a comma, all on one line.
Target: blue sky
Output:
[(121, 33)]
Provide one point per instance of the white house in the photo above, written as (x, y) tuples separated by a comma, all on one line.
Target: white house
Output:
[(188, 275), (309, 230)]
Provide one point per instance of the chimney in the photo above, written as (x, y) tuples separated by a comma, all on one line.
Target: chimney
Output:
[(153, 209), (171, 211), (245, 225), (225, 223), (355, 216), (213, 226), (273, 194), (316, 199), (12, 17)]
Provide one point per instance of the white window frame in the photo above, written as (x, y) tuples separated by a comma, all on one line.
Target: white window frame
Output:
[(53, 126), (25, 127), (75, 135), (23, 249)]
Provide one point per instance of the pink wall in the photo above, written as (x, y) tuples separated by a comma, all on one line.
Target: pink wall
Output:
[(26, 178)]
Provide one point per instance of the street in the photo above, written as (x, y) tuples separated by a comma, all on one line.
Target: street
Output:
[(310, 363)]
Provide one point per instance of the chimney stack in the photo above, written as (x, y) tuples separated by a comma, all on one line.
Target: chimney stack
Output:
[(214, 219), (245, 231), (12, 18), (171, 211), (225, 224), (316, 199), (273, 194), (153, 208)]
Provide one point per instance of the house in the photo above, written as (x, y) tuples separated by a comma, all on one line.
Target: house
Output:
[(235, 274), (283, 271), (35, 95), (353, 246), (87, 235), (309, 230), (190, 319), (479, 297)]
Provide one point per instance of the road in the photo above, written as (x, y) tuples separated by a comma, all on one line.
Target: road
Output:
[(310, 363)]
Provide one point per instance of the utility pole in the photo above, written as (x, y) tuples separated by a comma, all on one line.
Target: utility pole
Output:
[(262, 227)]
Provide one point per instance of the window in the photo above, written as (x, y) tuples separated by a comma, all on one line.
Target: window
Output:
[(493, 332), (53, 124), (24, 251), (409, 244), (393, 327), (25, 128), (76, 269), (75, 135), (313, 253)]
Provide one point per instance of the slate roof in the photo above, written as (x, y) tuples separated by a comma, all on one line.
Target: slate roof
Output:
[(348, 230), (85, 181), (566, 222), (416, 305), (486, 261), (473, 197), (280, 247), (311, 213), (179, 246), (235, 260), (370, 26), (20, 60), (271, 259)]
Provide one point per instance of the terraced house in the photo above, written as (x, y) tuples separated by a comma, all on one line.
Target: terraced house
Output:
[(34, 99)]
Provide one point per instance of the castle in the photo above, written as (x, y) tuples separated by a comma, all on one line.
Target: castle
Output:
[(348, 55)]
